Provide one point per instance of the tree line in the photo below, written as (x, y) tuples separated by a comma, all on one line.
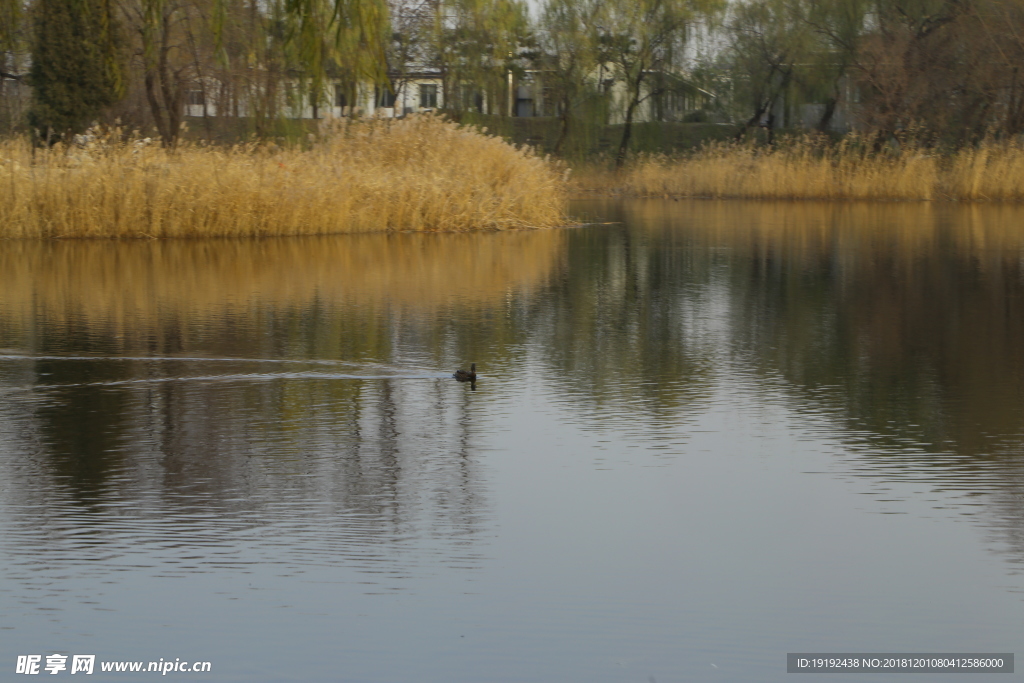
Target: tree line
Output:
[(951, 68), (948, 67)]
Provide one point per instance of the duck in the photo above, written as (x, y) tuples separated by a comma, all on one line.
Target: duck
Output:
[(466, 376)]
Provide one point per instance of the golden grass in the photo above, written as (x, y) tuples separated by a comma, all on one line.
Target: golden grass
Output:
[(990, 171), (419, 173), (806, 169)]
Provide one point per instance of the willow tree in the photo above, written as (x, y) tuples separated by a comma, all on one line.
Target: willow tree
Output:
[(839, 26), (568, 56), (644, 38), (11, 15), (412, 44), (768, 41), (12, 50), (261, 48), (162, 29), (77, 64), (478, 44), (246, 35), (252, 61), (325, 38)]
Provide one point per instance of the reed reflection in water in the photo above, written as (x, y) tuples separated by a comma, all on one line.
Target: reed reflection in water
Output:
[(682, 459), (898, 327), (227, 372)]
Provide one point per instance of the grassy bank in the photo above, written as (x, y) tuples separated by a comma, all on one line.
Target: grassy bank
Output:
[(419, 173), (808, 170)]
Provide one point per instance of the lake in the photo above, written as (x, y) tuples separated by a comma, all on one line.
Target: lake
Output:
[(704, 434)]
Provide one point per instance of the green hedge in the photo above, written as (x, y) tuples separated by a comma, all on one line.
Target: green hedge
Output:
[(586, 140)]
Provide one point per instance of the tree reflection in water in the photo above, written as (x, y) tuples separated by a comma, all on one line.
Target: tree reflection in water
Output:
[(898, 326)]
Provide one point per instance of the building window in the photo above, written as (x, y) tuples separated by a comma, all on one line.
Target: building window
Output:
[(340, 96), (195, 97), (428, 96)]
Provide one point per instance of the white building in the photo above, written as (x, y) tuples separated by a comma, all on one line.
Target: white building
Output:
[(412, 93)]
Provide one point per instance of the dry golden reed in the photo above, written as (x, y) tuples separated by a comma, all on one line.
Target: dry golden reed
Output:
[(805, 169), (991, 171), (419, 173)]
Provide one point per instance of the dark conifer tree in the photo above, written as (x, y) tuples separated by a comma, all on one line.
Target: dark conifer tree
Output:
[(77, 65)]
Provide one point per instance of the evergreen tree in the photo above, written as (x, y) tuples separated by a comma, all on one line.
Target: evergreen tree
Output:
[(77, 64)]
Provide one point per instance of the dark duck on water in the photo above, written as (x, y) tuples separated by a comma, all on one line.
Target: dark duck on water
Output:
[(466, 375)]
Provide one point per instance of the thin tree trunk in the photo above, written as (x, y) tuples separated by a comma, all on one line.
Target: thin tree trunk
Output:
[(154, 106), (563, 134), (627, 129), (163, 91), (169, 90), (826, 116), (753, 120)]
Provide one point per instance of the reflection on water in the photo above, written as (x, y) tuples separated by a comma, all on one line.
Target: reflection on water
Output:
[(279, 417), (148, 295), (905, 322)]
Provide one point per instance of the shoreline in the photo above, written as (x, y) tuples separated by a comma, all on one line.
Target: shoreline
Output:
[(425, 174)]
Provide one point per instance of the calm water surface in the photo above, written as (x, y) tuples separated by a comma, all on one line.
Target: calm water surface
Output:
[(704, 435)]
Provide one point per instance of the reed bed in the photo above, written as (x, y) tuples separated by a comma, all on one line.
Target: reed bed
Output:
[(851, 170), (991, 171), (415, 174)]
